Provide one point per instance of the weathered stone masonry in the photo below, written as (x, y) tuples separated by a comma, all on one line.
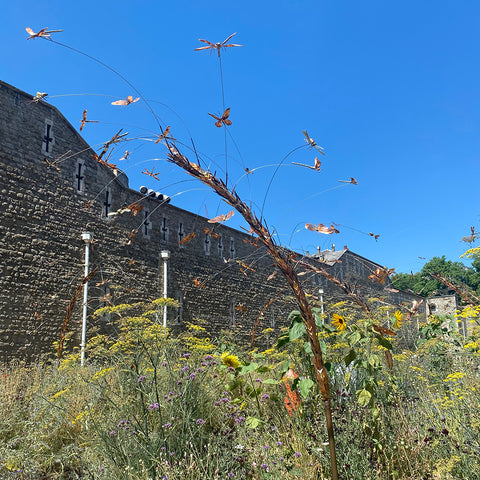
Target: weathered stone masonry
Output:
[(52, 190)]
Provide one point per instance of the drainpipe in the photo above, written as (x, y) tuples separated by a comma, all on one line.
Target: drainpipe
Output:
[(320, 291), (165, 254), (87, 238)]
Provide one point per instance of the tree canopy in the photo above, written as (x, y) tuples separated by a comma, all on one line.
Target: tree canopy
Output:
[(422, 283)]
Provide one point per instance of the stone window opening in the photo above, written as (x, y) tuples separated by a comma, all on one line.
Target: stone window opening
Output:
[(147, 224), (48, 139), (232, 248), (164, 230), (107, 203), (208, 243), (181, 233), (220, 246), (79, 176)]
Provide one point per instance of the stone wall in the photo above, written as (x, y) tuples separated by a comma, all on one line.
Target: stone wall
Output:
[(52, 190)]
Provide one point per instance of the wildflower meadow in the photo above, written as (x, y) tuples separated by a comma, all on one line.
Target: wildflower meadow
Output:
[(149, 405)]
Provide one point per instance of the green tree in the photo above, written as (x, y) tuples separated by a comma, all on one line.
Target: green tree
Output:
[(422, 283)]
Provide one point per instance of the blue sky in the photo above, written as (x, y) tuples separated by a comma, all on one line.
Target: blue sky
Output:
[(390, 90)]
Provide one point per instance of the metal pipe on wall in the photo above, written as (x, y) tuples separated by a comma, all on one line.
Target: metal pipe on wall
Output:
[(87, 238), (165, 254)]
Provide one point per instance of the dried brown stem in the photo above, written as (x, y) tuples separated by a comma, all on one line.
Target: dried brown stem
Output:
[(68, 315), (466, 296), (284, 263)]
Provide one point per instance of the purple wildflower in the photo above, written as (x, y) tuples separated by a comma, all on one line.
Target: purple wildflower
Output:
[(185, 368), (167, 425), (298, 454), (200, 421), (164, 364), (265, 397), (141, 378), (186, 355), (153, 406)]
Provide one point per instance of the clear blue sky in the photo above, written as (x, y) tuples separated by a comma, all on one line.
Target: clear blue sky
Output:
[(389, 89)]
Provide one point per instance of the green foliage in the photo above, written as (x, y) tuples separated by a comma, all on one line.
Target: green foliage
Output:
[(422, 283)]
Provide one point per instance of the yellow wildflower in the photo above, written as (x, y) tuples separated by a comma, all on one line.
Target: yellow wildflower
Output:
[(398, 319), (339, 322), (230, 360)]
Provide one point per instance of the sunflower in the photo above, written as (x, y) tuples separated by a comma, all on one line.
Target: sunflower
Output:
[(230, 360), (339, 322), (398, 319)]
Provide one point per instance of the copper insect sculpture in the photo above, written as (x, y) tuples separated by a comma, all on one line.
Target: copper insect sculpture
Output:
[(84, 120), (187, 238), (471, 238), (253, 242), (272, 275), (152, 174), (164, 136), (381, 274), (321, 228), (127, 101), (312, 142), (131, 236), (43, 33), (115, 139), (125, 155), (374, 236), (316, 165), (223, 120), (98, 158), (391, 290), (39, 96), (244, 267), (247, 170), (133, 208), (208, 231), (352, 180), (198, 284), (51, 164), (383, 330), (222, 218), (414, 309), (217, 46)]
